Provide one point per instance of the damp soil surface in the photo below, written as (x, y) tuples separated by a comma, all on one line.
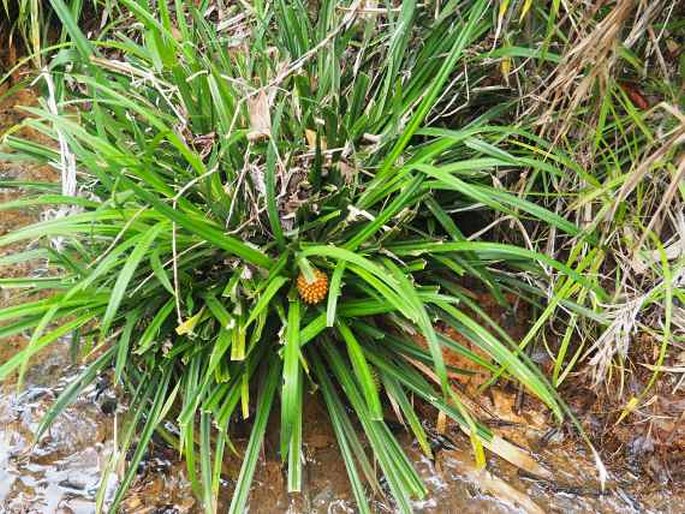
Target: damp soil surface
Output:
[(63, 470)]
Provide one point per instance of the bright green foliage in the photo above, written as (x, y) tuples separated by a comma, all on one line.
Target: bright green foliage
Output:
[(220, 162)]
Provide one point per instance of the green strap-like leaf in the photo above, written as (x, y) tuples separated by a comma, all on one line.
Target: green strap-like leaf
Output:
[(264, 402), (124, 277)]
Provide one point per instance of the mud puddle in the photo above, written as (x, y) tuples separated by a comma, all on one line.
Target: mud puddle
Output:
[(62, 472)]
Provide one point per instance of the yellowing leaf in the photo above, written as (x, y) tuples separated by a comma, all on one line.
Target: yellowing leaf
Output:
[(525, 8), (503, 6), (310, 136), (245, 395), (505, 66), (188, 325), (630, 407)]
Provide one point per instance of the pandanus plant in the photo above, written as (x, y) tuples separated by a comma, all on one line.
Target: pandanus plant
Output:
[(266, 205)]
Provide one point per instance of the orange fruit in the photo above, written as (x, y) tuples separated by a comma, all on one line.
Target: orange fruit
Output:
[(313, 292)]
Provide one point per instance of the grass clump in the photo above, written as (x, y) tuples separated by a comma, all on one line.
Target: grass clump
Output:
[(227, 162), (611, 109)]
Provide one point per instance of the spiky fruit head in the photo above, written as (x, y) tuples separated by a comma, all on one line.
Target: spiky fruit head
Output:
[(313, 292)]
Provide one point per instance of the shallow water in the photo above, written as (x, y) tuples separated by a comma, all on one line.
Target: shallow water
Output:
[(61, 472)]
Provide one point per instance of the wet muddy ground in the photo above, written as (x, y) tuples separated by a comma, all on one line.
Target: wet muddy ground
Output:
[(61, 473)]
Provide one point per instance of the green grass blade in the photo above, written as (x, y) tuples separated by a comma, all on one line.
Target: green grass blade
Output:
[(264, 402)]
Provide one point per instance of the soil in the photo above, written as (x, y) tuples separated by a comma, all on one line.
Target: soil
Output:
[(62, 472)]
